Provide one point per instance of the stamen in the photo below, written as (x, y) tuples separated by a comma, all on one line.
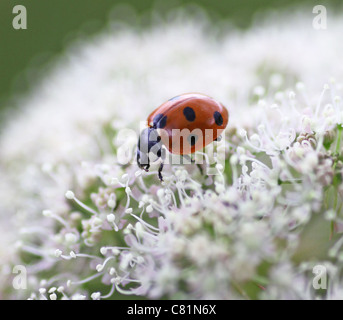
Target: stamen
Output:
[(70, 195), (92, 277)]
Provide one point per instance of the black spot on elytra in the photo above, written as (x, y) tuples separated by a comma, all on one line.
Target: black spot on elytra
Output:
[(218, 118), (189, 114), (159, 121), (192, 139)]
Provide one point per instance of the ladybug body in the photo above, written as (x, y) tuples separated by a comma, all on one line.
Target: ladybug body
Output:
[(184, 125)]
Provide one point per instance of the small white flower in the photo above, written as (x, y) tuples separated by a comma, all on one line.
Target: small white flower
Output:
[(111, 217), (53, 296), (58, 253), (95, 295), (70, 195)]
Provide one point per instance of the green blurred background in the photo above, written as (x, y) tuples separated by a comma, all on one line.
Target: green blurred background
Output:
[(53, 24)]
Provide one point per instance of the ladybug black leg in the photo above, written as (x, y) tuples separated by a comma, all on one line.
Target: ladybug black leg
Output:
[(200, 168), (188, 158), (160, 172), (219, 138)]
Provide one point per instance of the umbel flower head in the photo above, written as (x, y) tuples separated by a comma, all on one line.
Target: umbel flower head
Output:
[(87, 224)]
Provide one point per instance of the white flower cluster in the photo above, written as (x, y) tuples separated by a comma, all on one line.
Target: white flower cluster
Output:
[(88, 227)]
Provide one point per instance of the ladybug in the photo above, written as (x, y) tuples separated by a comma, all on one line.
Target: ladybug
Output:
[(183, 125)]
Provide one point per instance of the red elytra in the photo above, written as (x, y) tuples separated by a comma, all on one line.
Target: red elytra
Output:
[(189, 122)]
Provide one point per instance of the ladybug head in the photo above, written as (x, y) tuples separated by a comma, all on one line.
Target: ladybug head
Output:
[(149, 148)]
